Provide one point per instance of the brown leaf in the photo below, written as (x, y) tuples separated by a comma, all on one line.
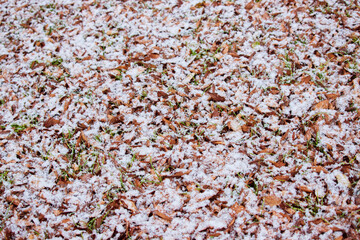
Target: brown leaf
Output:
[(179, 174), (66, 105), (130, 205), (168, 122), (266, 150), (305, 79), (162, 94), (13, 200), (318, 169), (249, 6), (3, 57), (237, 208), (332, 95), (216, 97), (162, 215), (272, 200), (357, 200), (115, 119), (51, 122), (305, 189), (282, 177), (98, 222), (245, 128), (322, 105), (278, 164), (82, 138)]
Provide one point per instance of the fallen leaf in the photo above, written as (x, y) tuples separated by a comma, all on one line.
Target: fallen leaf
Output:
[(343, 180), (282, 177), (162, 215), (13, 200), (188, 78), (130, 205), (98, 222), (305, 189), (237, 208), (51, 122), (115, 119), (66, 105), (322, 105), (216, 97), (236, 125), (249, 6), (162, 94), (318, 169), (57, 212), (272, 200)]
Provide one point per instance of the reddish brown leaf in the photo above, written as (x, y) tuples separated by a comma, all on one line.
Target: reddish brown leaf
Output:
[(318, 169), (115, 119), (13, 200), (305, 189), (66, 105), (282, 177), (51, 122), (162, 94), (249, 6), (216, 97), (98, 222), (2, 57), (322, 105), (162, 215)]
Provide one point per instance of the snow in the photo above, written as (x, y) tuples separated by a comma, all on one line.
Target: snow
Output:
[(208, 154)]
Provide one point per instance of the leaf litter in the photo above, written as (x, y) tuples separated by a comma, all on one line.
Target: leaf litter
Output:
[(179, 119)]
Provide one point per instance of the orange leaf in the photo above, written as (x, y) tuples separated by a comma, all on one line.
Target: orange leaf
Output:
[(272, 200), (322, 105), (237, 208), (305, 189), (162, 215), (318, 169), (282, 177)]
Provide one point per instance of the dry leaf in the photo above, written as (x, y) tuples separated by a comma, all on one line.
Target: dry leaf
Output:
[(130, 205), (13, 200), (51, 122), (249, 6), (343, 180), (66, 105), (272, 200), (322, 105), (216, 97), (318, 169), (188, 78), (162, 94), (237, 208), (282, 177), (236, 125), (57, 212), (305, 189), (162, 215), (115, 119)]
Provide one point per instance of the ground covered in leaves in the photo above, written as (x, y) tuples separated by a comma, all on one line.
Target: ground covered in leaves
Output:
[(179, 119)]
